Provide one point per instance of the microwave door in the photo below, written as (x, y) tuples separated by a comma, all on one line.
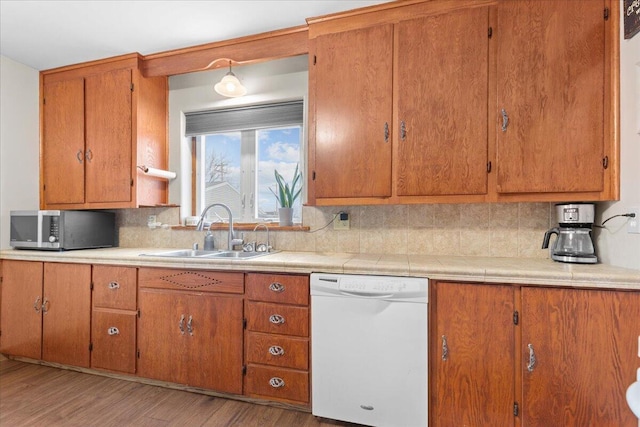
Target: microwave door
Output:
[(25, 231)]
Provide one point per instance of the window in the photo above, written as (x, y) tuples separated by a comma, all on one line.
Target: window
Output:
[(237, 152)]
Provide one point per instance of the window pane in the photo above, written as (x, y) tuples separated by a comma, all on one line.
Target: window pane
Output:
[(222, 174), (278, 149)]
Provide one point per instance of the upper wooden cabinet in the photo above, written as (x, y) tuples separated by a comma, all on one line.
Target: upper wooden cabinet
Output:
[(99, 122), (407, 102)]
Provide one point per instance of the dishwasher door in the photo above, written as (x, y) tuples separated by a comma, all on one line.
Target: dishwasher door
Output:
[(369, 349)]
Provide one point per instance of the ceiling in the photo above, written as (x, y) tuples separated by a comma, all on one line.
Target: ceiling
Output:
[(50, 34)]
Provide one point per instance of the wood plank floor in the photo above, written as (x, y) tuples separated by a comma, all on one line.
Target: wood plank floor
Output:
[(37, 395)]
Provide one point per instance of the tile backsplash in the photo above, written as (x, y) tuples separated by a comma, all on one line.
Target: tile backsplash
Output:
[(496, 230)]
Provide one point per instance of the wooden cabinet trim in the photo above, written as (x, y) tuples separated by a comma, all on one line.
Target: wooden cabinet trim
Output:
[(191, 280)]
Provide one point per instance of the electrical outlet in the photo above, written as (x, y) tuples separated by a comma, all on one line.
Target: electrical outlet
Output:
[(633, 224), (341, 222)]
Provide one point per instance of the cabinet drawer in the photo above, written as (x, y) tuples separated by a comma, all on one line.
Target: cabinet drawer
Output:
[(191, 280), (277, 350), (114, 287), (277, 319), (114, 340), (280, 288), (279, 383)]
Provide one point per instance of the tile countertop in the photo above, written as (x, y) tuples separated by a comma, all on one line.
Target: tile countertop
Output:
[(469, 269)]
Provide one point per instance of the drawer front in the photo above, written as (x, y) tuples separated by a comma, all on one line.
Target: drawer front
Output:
[(279, 383), (114, 287), (281, 288), (114, 341), (191, 280), (277, 319), (277, 350)]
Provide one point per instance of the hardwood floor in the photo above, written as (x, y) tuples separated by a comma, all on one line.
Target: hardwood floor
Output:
[(37, 395)]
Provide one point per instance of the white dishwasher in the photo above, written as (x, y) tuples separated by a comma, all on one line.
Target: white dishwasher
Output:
[(369, 349)]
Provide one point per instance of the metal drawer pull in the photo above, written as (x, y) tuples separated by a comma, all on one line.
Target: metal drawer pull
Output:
[(445, 348), (276, 319), (276, 287), (181, 324), (36, 305), (88, 155), (79, 156), (386, 132), (276, 382), (45, 309), (276, 350), (190, 325), (403, 131), (114, 285), (113, 331), (505, 120), (532, 359)]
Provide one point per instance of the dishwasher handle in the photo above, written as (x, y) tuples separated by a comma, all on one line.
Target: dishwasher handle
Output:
[(370, 295)]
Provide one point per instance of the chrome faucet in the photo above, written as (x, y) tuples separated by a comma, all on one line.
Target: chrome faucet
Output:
[(267, 248), (233, 241)]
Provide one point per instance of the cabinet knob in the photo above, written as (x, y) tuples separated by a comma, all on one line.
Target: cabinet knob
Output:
[(45, 306), (36, 305), (276, 287), (276, 350), (276, 382), (445, 348), (79, 156), (190, 325), (181, 324), (276, 319), (403, 130), (114, 285), (88, 155), (505, 120), (113, 331), (386, 132), (532, 358)]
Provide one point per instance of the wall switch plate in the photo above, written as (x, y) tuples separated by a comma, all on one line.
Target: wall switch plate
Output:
[(341, 222), (633, 224)]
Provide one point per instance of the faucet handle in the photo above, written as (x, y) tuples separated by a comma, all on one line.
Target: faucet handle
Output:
[(195, 246)]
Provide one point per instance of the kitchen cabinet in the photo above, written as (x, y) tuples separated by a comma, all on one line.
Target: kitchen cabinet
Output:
[(190, 329), (277, 337), (556, 81), (113, 318), (99, 122), (46, 311), (391, 122), (509, 355)]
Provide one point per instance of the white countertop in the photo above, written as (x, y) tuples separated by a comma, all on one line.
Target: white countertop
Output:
[(469, 269)]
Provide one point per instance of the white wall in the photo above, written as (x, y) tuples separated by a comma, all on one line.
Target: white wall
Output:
[(19, 141), (614, 245)]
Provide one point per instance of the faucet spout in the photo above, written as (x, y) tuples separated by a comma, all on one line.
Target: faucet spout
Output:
[(232, 241)]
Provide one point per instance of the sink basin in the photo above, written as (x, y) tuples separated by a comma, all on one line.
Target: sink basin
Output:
[(190, 253)]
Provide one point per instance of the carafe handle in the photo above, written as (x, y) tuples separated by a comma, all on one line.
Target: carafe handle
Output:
[(547, 236)]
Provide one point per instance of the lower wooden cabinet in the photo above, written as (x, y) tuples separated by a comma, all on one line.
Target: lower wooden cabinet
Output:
[(506, 355), (190, 329), (277, 337)]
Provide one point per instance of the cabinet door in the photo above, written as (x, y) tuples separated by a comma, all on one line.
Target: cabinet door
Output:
[(353, 93), (442, 104), (108, 137), (585, 344), (113, 338), (550, 83), (193, 339), (66, 307), (21, 309), (114, 287), (473, 356), (63, 154)]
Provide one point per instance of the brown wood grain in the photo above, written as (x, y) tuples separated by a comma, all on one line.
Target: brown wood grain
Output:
[(193, 280), (295, 288), (295, 356), (295, 388), (115, 352), (122, 294), (296, 319)]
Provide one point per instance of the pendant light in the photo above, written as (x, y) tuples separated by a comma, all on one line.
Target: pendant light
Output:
[(230, 85)]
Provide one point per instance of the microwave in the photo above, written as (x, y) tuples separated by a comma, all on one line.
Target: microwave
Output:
[(62, 230)]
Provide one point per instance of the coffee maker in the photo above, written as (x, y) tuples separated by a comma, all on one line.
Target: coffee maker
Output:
[(573, 242)]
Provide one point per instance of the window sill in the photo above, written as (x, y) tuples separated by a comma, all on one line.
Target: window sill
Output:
[(244, 226)]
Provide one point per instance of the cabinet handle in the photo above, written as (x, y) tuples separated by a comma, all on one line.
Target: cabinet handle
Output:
[(181, 324), (386, 132), (190, 325), (79, 156), (276, 350), (276, 382), (445, 348), (45, 308), (403, 130), (532, 359), (114, 285), (276, 287), (505, 120), (36, 305), (88, 156), (113, 331), (276, 319)]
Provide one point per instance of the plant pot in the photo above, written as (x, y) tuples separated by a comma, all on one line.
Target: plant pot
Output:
[(286, 216)]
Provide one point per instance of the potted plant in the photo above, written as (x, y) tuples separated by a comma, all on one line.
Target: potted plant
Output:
[(287, 195)]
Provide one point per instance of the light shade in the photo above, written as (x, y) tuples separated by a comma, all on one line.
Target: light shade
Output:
[(230, 85)]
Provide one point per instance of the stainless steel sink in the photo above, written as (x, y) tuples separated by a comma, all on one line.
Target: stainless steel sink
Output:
[(190, 253)]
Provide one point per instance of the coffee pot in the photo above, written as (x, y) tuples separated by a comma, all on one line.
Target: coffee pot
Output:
[(573, 242)]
